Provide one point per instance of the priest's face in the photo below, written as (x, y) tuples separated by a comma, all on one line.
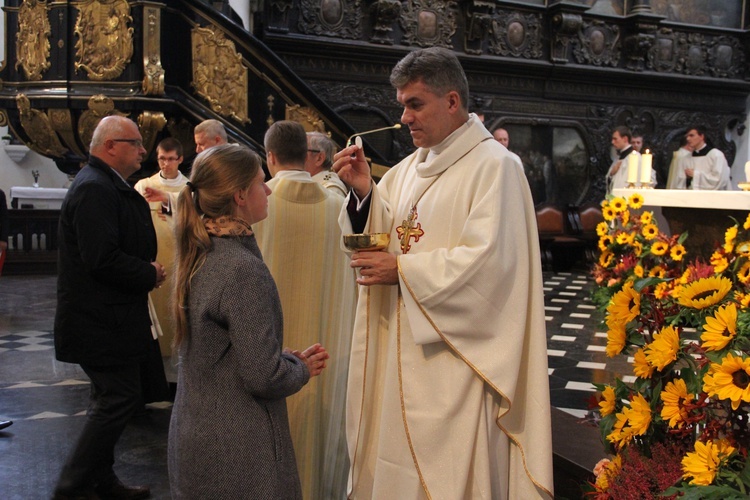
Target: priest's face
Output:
[(430, 117)]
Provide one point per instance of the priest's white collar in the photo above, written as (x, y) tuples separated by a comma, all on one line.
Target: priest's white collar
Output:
[(294, 175)]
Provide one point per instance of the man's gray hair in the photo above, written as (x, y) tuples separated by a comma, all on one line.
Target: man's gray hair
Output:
[(438, 68), (211, 128), (108, 127), (325, 145)]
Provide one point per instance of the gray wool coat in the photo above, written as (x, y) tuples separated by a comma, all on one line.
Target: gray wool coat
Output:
[(229, 434)]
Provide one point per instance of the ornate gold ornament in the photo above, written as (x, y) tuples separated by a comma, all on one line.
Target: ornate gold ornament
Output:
[(99, 107), (62, 123), (105, 40), (150, 123), (153, 81), (38, 127), (219, 75), (32, 39), (307, 117)]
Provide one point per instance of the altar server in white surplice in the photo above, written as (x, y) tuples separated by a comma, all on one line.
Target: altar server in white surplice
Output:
[(448, 394), (301, 244), (168, 180), (706, 168), (617, 175), (676, 177)]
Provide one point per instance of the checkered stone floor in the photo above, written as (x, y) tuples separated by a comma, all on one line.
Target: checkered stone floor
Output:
[(27, 341)]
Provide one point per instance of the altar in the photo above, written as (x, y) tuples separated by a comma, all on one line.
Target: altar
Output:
[(705, 215), (37, 197)]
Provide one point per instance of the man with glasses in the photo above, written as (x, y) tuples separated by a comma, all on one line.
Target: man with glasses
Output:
[(168, 180), (106, 267), (320, 151)]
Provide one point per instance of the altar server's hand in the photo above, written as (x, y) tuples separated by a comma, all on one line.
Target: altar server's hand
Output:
[(352, 168), (376, 268)]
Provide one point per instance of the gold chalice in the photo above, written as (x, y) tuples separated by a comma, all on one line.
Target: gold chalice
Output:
[(367, 242)]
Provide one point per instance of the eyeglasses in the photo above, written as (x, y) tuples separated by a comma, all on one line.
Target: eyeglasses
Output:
[(135, 142), (163, 159), (313, 151)]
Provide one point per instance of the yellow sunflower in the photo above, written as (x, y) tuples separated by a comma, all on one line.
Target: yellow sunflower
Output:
[(677, 252), (659, 248), (611, 471), (635, 201), (639, 415), (730, 235), (605, 241), (657, 272), (661, 291), (641, 367), (607, 404), (617, 204), (729, 380), (743, 249), (720, 329), (605, 259), (624, 238), (637, 248), (638, 270), (647, 217), (625, 217), (743, 299), (650, 231), (621, 432), (705, 292), (744, 273), (703, 464), (625, 304), (604, 204), (616, 336), (602, 228), (746, 225), (674, 396), (663, 350), (608, 213), (719, 262)]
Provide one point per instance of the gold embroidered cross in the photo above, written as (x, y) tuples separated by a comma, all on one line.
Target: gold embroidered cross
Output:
[(408, 230)]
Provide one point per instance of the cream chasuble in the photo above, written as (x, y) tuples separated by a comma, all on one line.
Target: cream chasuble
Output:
[(448, 394), (300, 242), (159, 298)]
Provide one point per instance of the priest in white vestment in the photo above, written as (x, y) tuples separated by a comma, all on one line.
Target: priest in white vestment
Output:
[(706, 168), (676, 177), (448, 394), (617, 175), (170, 181), (301, 244), (320, 151)]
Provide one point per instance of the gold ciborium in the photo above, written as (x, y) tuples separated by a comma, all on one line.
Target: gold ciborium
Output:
[(367, 242)]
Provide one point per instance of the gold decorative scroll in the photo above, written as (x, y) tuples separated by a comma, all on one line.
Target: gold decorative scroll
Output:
[(32, 39), (307, 117), (219, 76), (150, 123), (153, 81), (99, 107), (38, 127), (105, 40), (62, 123)]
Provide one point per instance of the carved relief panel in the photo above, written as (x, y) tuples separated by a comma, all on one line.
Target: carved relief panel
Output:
[(219, 74), (32, 39), (598, 44), (428, 24), (516, 34), (105, 38), (331, 18), (38, 127)]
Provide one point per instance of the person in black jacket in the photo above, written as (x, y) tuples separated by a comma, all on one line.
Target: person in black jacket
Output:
[(107, 247)]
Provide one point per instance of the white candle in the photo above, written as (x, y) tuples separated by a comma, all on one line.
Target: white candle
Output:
[(646, 159), (632, 168), (747, 171)]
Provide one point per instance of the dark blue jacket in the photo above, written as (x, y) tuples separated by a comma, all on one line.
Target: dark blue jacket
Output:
[(106, 245)]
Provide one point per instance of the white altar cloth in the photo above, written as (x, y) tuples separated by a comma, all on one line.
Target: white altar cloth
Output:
[(40, 198), (689, 198)]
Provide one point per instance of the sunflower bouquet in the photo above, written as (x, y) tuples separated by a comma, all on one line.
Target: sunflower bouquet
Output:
[(681, 426)]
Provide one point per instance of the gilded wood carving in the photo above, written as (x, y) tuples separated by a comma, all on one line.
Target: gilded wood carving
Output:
[(153, 81), (307, 117), (62, 123), (105, 38), (150, 124), (219, 75), (38, 127), (99, 107), (32, 39)]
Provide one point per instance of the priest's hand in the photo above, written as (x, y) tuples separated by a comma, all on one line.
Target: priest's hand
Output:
[(376, 268), (689, 172), (352, 168), (314, 358), (153, 194)]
